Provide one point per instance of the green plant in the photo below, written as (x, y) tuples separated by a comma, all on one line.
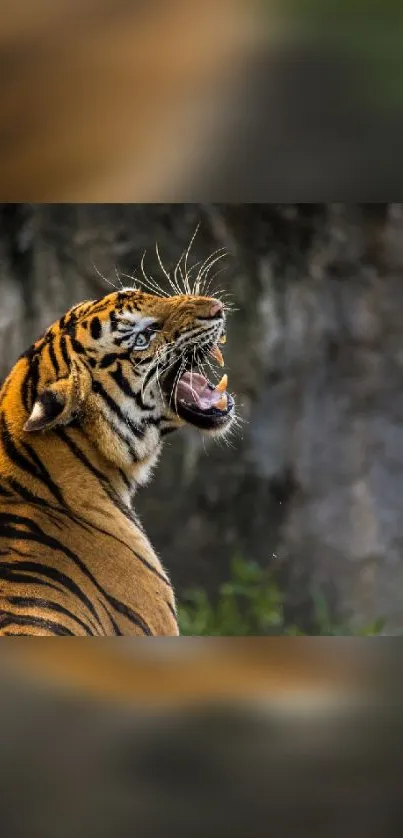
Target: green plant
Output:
[(252, 604), (325, 625), (249, 604)]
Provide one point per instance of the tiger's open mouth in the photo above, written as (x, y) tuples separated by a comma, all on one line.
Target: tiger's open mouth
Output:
[(196, 400)]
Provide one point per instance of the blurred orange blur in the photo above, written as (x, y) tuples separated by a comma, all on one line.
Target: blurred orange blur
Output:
[(194, 670), (114, 99), (206, 100), (201, 736)]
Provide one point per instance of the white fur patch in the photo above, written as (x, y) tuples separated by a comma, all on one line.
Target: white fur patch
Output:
[(38, 413)]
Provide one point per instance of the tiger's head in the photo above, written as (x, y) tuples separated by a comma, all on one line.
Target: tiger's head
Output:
[(130, 368)]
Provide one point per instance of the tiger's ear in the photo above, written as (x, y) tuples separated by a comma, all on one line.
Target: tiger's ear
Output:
[(60, 401)]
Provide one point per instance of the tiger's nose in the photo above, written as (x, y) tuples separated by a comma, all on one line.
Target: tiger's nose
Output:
[(216, 309)]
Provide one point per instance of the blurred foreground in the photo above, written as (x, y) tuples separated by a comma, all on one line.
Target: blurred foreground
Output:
[(116, 99), (181, 100), (230, 738)]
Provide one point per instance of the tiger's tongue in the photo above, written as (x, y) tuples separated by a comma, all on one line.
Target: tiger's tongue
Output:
[(195, 389)]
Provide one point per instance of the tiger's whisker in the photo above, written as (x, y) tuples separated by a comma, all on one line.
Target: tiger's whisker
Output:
[(108, 281), (175, 289)]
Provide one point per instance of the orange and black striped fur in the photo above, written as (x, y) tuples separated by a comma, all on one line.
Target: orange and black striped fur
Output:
[(83, 415)]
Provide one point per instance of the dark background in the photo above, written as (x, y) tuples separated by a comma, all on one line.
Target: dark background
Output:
[(312, 484)]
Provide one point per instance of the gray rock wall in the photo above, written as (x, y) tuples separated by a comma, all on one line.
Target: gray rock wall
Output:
[(312, 484)]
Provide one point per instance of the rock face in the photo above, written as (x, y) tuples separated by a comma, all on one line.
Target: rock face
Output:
[(313, 483)]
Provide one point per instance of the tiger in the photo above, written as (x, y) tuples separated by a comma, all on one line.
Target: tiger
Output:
[(84, 414)]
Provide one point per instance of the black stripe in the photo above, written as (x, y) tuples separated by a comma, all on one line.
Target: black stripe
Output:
[(98, 307), (89, 525), (64, 351), (5, 493), (172, 610), (25, 464), (25, 389), (25, 578), (115, 626), (149, 566), (100, 391), (122, 299), (70, 328), (125, 337), (127, 482), (37, 602), (43, 474), (17, 457), (53, 358), (7, 619), (125, 386), (19, 520), (95, 328), (148, 376), (77, 346), (47, 571), (34, 500), (62, 433), (108, 360), (144, 363), (76, 450), (133, 518), (130, 615), (122, 382), (29, 496), (29, 353), (24, 493), (34, 378), (11, 574), (38, 535)]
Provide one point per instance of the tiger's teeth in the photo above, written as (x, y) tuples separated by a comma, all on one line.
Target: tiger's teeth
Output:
[(222, 386), (223, 403), (217, 354), (223, 340)]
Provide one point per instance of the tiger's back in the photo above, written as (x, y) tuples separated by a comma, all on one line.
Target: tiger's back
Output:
[(67, 573)]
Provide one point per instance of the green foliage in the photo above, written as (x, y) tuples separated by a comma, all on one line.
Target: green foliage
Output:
[(326, 626), (368, 33), (251, 604), (248, 604)]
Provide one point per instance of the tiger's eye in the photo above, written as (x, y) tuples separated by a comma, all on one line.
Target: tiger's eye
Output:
[(142, 340)]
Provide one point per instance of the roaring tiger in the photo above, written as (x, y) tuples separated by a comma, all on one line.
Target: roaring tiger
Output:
[(83, 416)]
